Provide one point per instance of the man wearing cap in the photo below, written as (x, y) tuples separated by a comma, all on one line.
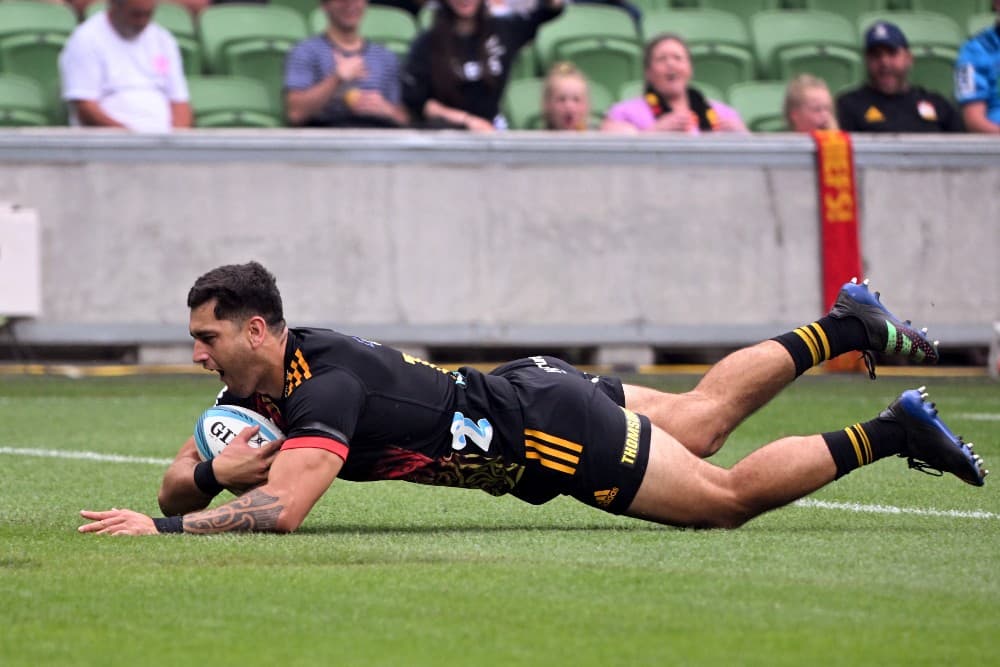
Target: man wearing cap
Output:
[(976, 84), (887, 102)]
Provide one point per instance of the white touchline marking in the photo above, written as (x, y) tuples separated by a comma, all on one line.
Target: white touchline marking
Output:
[(979, 416), (87, 456), (889, 509), (805, 502)]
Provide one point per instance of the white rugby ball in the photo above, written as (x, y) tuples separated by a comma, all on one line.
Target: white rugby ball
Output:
[(218, 425)]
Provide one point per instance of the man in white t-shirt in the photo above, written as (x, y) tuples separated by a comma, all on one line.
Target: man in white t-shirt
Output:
[(119, 69)]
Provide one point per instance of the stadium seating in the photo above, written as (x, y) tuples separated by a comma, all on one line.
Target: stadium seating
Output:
[(721, 51), (958, 11), (742, 8), (22, 102), (849, 9), (601, 41), (979, 22), (391, 27), (807, 41), (251, 40), (934, 41), (304, 7), (760, 104), (231, 101), (31, 36)]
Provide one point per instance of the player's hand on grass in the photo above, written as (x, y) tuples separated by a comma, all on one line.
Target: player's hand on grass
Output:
[(117, 522), (240, 467)]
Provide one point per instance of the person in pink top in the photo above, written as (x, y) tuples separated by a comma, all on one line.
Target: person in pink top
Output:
[(669, 103)]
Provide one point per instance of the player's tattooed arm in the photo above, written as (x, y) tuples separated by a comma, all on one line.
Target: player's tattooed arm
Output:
[(254, 511)]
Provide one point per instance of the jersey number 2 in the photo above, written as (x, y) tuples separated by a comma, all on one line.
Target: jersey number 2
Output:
[(463, 428)]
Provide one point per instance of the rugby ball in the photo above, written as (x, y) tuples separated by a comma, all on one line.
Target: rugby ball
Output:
[(218, 425)]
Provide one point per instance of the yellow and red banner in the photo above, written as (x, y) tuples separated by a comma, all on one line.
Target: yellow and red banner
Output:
[(838, 213)]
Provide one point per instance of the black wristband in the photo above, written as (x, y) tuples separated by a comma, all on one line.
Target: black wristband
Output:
[(169, 524), (204, 479)]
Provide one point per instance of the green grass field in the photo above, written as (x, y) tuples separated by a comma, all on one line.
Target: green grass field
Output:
[(398, 574)]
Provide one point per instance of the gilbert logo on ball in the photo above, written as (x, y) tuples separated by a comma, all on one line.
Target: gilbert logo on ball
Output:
[(220, 424)]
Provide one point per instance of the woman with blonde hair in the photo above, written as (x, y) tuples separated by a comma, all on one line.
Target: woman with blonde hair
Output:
[(566, 98), (809, 105)]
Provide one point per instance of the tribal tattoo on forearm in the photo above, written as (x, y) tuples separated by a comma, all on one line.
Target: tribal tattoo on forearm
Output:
[(253, 511)]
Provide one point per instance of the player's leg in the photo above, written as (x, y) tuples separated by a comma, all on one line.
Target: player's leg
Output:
[(747, 379), (680, 489)]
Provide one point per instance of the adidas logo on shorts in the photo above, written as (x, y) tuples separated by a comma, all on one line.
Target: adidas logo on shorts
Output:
[(605, 497)]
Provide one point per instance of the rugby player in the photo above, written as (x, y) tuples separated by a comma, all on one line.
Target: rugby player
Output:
[(535, 428)]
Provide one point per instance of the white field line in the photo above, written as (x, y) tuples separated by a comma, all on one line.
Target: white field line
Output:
[(889, 509), (805, 502), (87, 456)]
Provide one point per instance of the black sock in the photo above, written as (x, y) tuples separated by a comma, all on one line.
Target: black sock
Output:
[(824, 339), (861, 444)]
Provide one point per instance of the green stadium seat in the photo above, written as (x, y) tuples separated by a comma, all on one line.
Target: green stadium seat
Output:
[(742, 8), (266, 27), (600, 40), (760, 104), (980, 22), (525, 65), (251, 40), (522, 103), (807, 41), (305, 8), (22, 102), (720, 46), (849, 9), (934, 42), (391, 27), (32, 34), (231, 101), (958, 11)]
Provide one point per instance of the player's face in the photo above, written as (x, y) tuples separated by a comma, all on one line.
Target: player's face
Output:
[(888, 69), (669, 70), (567, 105), (814, 113), (223, 346), (345, 14)]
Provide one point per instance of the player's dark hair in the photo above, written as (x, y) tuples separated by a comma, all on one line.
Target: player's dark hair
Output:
[(241, 291)]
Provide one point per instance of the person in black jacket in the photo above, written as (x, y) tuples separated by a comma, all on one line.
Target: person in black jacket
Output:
[(887, 102), (457, 70)]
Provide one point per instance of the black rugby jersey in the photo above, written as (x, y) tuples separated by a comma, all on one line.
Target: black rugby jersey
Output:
[(917, 110), (392, 416)]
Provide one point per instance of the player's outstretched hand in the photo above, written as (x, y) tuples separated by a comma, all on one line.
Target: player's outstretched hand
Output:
[(240, 467), (117, 522)]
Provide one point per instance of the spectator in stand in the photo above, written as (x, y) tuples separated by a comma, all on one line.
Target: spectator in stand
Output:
[(119, 69), (809, 105), (457, 70), (887, 102), (339, 79), (193, 6), (566, 99), (977, 88), (669, 103)]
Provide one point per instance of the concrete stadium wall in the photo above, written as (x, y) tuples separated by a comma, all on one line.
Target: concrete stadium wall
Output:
[(519, 239)]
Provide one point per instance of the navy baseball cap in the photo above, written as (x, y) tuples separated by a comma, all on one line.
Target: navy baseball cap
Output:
[(884, 33)]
